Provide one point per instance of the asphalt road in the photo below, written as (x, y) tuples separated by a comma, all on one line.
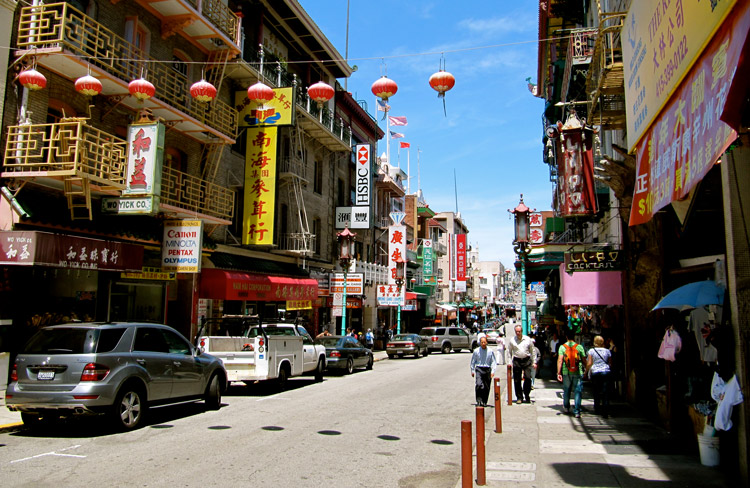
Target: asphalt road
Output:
[(395, 426)]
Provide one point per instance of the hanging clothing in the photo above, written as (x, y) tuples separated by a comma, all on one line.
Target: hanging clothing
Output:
[(701, 325), (670, 345), (727, 395)]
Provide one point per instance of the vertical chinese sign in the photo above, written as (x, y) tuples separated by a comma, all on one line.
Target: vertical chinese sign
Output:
[(260, 186), (427, 258), (396, 251), (145, 156), (536, 232), (461, 262)]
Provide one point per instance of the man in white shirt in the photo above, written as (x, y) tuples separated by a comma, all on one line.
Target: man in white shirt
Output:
[(520, 353)]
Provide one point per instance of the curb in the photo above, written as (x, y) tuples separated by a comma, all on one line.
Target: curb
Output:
[(11, 427)]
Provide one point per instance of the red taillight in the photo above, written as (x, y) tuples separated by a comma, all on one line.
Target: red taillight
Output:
[(335, 354), (409, 344), (203, 342), (390, 345), (94, 372), (14, 373), (434, 338), (260, 342)]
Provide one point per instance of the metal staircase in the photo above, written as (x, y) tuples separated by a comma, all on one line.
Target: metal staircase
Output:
[(292, 175)]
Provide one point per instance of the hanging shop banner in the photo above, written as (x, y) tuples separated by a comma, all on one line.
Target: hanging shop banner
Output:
[(353, 283), (353, 217), (688, 137), (181, 246), (260, 186), (298, 305), (575, 180), (593, 261), (389, 295), (396, 252), (427, 258), (461, 258), (277, 112), (32, 248), (661, 40), (536, 232), (145, 159), (364, 178)]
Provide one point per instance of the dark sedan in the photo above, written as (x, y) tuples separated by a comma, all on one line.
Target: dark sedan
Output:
[(406, 344), (346, 353)]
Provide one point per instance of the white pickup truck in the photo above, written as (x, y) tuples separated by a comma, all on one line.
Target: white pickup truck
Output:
[(254, 352)]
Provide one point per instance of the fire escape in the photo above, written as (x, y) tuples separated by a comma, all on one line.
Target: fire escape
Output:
[(292, 177)]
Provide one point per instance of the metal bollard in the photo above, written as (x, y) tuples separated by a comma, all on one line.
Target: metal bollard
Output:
[(481, 464), (466, 464), (498, 409), (510, 385)]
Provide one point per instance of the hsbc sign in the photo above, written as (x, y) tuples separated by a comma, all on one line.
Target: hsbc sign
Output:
[(362, 197)]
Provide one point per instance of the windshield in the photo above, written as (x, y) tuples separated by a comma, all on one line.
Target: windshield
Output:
[(404, 337)]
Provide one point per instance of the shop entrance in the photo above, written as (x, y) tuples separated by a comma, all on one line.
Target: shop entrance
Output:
[(137, 302)]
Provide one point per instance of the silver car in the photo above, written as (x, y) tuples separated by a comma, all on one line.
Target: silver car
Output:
[(116, 369), (447, 339)]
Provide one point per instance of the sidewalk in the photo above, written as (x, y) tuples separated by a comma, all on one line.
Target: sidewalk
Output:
[(541, 446)]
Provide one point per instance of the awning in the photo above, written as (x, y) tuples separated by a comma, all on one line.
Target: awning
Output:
[(448, 308), (219, 284), (591, 287), (414, 295), (33, 248)]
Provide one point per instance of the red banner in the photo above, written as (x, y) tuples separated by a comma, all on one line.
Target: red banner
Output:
[(575, 180), (687, 137), (460, 257)]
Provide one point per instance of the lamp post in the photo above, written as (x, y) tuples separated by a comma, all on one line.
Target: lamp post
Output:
[(400, 265), (521, 248), (346, 240)]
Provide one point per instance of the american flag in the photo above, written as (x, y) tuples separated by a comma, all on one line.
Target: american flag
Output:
[(397, 120), (382, 106), (403, 145), (396, 135)]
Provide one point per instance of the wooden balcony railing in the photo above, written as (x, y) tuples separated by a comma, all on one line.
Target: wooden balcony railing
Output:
[(605, 83), (63, 149), (59, 25), (194, 194)]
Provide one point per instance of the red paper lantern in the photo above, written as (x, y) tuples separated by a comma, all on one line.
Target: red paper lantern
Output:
[(141, 89), (384, 88), (203, 91), (32, 79), (442, 81), (260, 93), (88, 85), (320, 92)]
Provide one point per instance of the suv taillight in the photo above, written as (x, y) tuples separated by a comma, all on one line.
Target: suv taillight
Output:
[(94, 372), (435, 338), (14, 373)]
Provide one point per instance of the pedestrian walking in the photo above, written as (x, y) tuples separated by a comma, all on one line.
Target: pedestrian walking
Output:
[(520, 353), (370, 339), (482, 370), (570, 357), (599, 369)]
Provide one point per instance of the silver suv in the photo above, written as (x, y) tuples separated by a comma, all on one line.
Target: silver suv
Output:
[(445, 339), (117, 369)]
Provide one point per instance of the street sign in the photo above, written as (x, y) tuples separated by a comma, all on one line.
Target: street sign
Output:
[(338, 299)]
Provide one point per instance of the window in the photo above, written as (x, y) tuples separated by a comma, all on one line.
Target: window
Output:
[(316, 236), (340, 202), (148, 339), (318, 182), (175, 343), (181, 63)]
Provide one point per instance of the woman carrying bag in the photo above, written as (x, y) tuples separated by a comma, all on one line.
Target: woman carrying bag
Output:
[(599, 369)]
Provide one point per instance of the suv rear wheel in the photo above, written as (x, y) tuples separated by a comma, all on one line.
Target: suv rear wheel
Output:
[(446, 348), (129, 408)]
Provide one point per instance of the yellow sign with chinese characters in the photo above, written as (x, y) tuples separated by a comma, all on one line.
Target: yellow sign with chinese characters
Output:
[(276, 112), (260, 186), (150, 274), (298, 304), (660, 42)]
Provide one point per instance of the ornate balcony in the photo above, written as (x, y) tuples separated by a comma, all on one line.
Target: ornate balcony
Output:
[(62, 30), (580, 51), (82, 161), (605, 81), (204, 22)]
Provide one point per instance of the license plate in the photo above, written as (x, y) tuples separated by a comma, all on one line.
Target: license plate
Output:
[(45, 375)]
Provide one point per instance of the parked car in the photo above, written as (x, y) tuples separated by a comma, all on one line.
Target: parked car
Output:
[(447, 339), (345, 353), (492, 335), (116, 369), (406, 344)]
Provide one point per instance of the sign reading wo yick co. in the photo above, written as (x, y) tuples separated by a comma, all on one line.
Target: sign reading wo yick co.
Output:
[(181, 247)]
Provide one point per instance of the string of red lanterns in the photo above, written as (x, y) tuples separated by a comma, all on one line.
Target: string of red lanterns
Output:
[(320, 92), (88, 85), (203, 91), (141, 89)]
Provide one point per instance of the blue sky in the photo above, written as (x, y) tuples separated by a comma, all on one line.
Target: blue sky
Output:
[(492, 133)]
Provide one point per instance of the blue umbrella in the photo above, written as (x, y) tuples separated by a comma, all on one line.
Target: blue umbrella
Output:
[(693, 295)]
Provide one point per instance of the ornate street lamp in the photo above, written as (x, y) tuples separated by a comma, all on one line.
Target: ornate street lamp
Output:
[(400, 271), (522, 249), (346, 240)]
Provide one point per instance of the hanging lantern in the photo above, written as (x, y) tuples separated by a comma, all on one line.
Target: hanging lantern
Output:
[(88, 85), (384, 88), (203, 91), (260, 93), (141, 89), (32, 79), (442, 81), (320, 92)]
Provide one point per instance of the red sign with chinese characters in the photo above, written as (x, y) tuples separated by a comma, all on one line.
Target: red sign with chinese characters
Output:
[(575, 180), (687, 137), (460, 257), (260, 186)]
